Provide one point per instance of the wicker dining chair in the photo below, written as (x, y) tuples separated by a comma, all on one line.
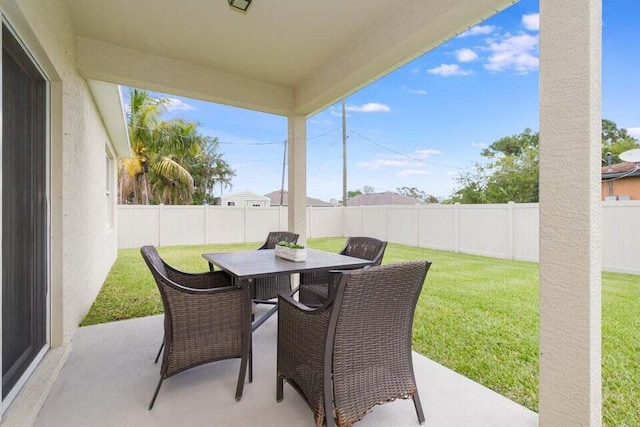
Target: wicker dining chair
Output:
[(355, 351), (264, 289), (206, 319), (314, 289)]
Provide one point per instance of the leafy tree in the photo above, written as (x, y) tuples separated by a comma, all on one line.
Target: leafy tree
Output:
[(510, 172), (615, 141), (367, 189), (417, 194), (353, 193)]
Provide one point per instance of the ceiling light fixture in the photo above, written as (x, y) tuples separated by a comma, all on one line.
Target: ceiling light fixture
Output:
[(241, 5)]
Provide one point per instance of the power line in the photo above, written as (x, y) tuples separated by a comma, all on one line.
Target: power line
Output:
[(323, 134), (219, 142), (252, 143), (402, 154)]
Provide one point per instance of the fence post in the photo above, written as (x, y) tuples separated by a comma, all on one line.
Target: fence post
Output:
[(510, 230), (456, 227), (160, 207), (344, 221), (244, 223), (386, 222), (417, 225), (206, 224)]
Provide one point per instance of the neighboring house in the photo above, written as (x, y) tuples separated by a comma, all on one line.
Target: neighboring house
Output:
[(275, 197), (245, 198), (63, 132), (386, 198), (621, 181)]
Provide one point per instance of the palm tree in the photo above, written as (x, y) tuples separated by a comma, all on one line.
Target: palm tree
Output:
[(154, 173), (222, 173)]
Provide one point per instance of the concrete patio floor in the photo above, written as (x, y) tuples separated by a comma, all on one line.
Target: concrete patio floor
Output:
[(110, 376)]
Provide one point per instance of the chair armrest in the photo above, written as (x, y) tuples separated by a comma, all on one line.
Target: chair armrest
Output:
[(208, 280), (291, 304)]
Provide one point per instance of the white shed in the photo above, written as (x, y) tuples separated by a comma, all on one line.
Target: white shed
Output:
[(245, 198)]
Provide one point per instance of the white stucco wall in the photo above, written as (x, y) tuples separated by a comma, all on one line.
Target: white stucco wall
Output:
[(570, 369), (83, 249)]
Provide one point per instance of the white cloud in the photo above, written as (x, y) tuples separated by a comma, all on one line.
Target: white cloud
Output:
[(452, 174), (417, 91), (413, 172), (518, 53), (466, 55), (382, 163), (446, 70), (634, 132), (174, 104), (478, 30), (371, 107), (423, 154), (531, 21), (479, 144)]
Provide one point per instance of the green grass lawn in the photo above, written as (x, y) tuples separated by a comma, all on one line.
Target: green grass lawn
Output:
[(476, 315)]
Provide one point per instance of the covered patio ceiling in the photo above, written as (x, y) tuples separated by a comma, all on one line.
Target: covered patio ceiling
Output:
[(282, 57)]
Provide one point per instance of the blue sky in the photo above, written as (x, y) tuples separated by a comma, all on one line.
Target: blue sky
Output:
[(426, 122)]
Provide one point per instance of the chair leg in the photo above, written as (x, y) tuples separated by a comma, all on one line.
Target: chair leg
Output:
[(328, 406), (279, 388), (159, 352), (153, 399), (251, 362), (329, 421), (243, 372), (418, 405)]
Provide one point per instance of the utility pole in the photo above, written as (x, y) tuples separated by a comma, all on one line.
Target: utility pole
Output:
[(344, 153)]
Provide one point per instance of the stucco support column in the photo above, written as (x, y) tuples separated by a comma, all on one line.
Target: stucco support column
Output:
[(297, 158), (570, 121)]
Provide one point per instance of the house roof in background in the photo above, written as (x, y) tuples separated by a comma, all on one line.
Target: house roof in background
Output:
[(244, 195), (620, 170), (386, 198), (275, 199)]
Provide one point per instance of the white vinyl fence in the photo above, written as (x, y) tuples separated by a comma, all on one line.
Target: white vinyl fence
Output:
[(504, 231)]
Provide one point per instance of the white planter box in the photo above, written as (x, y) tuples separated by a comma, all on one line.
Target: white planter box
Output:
[(295, 255)]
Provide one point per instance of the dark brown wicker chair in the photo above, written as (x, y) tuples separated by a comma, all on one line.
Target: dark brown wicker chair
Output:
[(355, 351), (267, 288), (205, 319), (314, 289)]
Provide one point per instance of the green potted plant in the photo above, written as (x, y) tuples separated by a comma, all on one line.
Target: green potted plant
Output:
[(291, 251)]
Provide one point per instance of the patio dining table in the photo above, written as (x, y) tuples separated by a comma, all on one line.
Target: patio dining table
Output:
[(245, 266)]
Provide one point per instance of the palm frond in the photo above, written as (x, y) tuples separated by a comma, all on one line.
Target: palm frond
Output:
[(173, 171)]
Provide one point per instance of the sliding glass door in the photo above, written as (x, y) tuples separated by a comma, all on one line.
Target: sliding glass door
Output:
[(24, 212)]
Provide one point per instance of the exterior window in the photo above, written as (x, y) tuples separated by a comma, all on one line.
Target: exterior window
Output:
[(256, 205), (109, 189), (231, 203)]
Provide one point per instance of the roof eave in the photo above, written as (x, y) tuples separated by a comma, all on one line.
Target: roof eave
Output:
[(108, 99)]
